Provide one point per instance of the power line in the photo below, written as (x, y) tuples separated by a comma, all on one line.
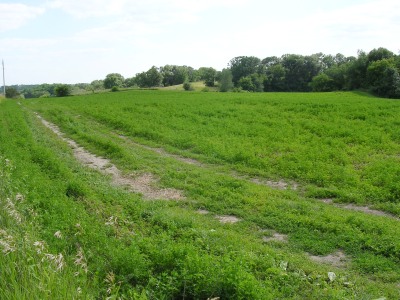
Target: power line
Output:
[(4, 79)]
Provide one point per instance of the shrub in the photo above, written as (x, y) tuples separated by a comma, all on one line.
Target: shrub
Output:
[(62, 90), (114, 89), (11, 92), (187, 86)]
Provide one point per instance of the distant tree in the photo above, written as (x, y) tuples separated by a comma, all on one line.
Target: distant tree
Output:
[(322, 83), (192, 74), (12, 92), (243, 66), (357, 72), (245, 83), (275, 78), (326, 61), (208, 75), (299, 71), (174, 75), (225, 81), (130, 82), (252, 83), (383, 78), (97, 85), (379, 54), (393, 83), (270, 61), (113, 79), (63, 90), (150, 78), (338, 73)]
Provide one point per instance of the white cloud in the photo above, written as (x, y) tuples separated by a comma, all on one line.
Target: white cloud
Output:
[(13, 16), (90, 8), (363, 26), (100, 8)]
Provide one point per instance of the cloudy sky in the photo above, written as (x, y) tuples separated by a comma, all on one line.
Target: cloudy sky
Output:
[(72, 41)]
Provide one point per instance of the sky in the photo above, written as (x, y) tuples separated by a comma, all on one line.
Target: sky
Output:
[(74, 41)]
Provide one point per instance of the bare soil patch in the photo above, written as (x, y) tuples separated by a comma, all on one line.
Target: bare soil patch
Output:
[(276, 237), (202, 211), (279, 185), (368, 210), (364, 209), (228, 219), (144, 183), (337, 259)]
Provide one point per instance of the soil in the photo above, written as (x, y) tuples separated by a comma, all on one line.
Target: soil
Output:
[(279, 185), (337, 259), (364, 209), (144, 183), (276, 237), (228, 219)]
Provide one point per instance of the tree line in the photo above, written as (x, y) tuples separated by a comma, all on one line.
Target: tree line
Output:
[(377, 72)]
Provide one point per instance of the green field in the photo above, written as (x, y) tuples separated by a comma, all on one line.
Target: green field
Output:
[(291, 168)]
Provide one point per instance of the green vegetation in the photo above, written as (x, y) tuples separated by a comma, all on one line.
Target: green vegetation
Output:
[(63, 90), (112, 243), (377, 72)]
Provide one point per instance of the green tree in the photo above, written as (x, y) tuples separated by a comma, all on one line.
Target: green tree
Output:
[(208, 75), (299, 71), (225, 81), (130, 82), (12, 92), (243, 66), (379, 54), (383, 78), (174, 75), (246, 83), (357, 72), (97, 84), (150, 78), (271, 61), (338, 73), (63, 90), (113, 79), (252, 83), (275, 78), (322, 83)]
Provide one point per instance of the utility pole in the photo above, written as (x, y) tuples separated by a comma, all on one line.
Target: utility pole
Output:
[(4, 79)]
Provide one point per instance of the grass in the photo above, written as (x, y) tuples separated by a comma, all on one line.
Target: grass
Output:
[(197, 86), (166, 250)]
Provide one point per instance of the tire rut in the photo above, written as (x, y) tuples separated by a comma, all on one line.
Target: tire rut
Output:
[(144, 184)]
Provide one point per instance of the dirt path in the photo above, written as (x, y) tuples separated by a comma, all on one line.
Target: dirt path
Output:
[(144, 184), (279, 185), (364, 209)]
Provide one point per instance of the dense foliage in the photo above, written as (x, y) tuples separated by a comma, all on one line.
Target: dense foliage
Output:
[(377, 72), (62, 90)]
